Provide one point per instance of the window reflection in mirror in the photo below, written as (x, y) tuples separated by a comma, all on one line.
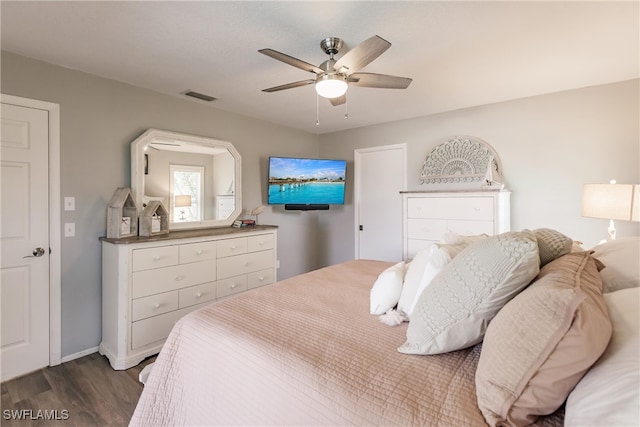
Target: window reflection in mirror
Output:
[(186, 184)]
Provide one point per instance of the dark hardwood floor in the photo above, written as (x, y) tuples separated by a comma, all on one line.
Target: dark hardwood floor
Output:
[(85, 391)]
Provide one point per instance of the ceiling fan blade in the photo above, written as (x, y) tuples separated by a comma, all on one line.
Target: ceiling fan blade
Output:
[(291, 61), (361, 55), (379, 80), (289, 85), (338, 101)]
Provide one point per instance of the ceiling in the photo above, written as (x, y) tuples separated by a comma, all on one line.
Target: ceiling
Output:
[(459, 54)]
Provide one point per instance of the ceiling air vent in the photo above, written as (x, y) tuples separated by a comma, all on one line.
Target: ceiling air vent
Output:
[(200, 96)]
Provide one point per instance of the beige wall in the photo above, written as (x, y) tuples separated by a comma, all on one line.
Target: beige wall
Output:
[(550, 145), (99, 118)]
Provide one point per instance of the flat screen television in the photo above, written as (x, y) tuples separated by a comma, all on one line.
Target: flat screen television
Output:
[(301, 183)]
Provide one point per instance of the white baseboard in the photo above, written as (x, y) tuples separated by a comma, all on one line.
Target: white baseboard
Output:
[(80, 354)]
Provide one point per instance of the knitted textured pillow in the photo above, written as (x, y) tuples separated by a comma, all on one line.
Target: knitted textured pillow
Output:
[(551, 244), (454, 310)]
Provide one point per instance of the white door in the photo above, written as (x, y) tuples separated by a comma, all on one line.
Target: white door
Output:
[(24, 240), (380, 175)]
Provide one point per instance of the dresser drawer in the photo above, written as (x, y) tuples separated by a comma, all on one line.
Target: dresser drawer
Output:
[(153, 329), (157, 328), (151, 282), (232, 285), (197, 294), (260, 243), (242, 264), (148, 258), (194, 252), (475, 208), (260, 278), (231, 247), (430, 229), (153, 305)]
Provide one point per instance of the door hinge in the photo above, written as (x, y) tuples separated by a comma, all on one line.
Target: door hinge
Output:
[(361, 228)]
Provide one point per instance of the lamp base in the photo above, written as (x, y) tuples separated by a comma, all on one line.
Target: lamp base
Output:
[(611, 230)]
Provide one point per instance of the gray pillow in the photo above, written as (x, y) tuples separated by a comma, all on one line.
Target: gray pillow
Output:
[(551, 244)]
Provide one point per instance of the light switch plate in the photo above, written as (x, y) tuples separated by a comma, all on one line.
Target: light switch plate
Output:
[(69, 229), (69, 203)]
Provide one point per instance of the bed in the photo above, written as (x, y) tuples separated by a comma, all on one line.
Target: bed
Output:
[(307, 351)]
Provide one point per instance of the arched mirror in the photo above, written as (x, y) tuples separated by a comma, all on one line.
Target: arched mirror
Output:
[(196, 178)]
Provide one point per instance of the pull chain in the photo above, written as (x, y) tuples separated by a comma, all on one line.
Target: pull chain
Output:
[(317, 110), (346, 108)]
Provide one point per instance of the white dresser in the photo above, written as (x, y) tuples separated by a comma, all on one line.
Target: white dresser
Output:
[(148, 283), (427, 216)]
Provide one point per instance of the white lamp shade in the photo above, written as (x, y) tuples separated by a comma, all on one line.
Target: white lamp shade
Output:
[(331, 86), (183, 201), (611, 201)]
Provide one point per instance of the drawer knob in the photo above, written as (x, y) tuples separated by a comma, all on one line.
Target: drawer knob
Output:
[(261, 242), (261, 279), (232, 247), (199, 253), (156, 305), (179, 277), (156, 258), (247, 264), (477, 209), (198, 295), (233, 286)]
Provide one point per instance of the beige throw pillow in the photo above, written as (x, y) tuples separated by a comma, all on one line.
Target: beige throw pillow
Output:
[(542, 342), (454, 310)]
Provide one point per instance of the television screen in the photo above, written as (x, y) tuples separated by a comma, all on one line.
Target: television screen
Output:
[(306, 181)]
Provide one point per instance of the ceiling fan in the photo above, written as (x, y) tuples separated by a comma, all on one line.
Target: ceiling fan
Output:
[(333, 77)]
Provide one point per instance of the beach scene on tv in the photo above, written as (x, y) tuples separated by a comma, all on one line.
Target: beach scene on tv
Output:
[(306, 181)]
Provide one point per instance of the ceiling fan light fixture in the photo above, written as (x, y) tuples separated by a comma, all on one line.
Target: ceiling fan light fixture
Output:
[(331, 86)]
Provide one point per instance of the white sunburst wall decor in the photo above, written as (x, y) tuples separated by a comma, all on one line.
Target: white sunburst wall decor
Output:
[(463, 163)]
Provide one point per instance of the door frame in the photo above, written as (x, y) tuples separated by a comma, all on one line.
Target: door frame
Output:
[(357, 158), (55, 256)]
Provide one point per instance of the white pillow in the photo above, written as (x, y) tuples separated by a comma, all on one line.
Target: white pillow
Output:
[(412, 279), (608, 395), (454, 310), (621, 258), (441, 255), (430, 272), (386, 290)]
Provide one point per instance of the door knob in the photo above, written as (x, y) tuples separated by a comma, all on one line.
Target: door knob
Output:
[(37, 252)]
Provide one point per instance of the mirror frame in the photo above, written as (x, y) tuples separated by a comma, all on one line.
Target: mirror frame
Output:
[(137, 172)]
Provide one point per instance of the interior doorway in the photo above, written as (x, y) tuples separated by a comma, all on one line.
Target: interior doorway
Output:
[(380, 175), (30, 236)]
